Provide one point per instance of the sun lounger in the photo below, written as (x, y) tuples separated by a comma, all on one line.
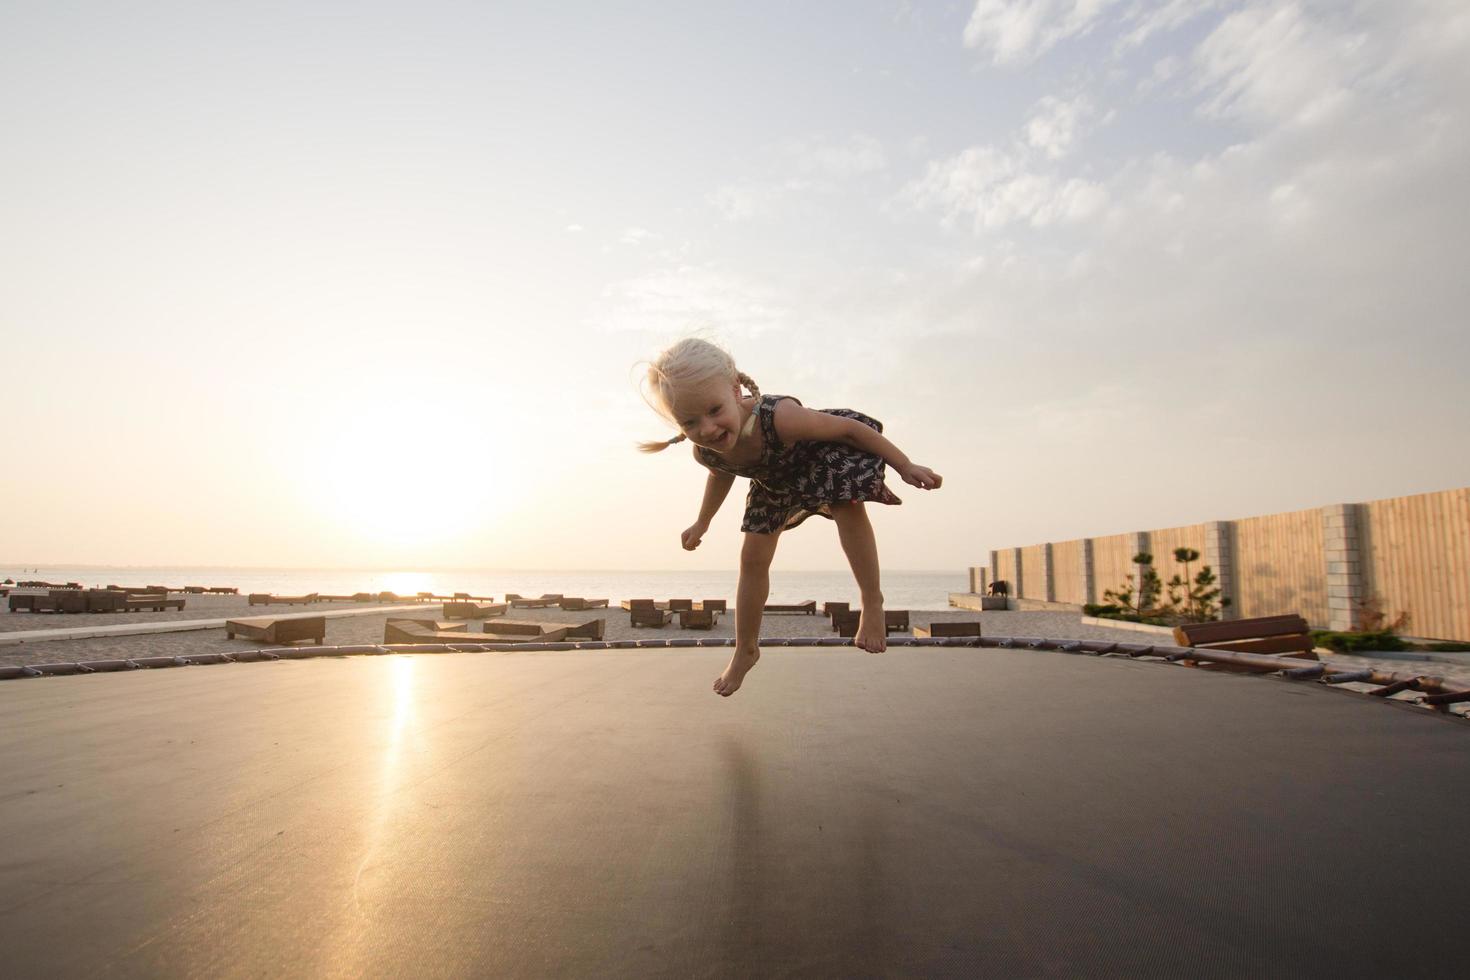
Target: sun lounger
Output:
[(809, 607), (960, 628), (894, 621), (698, 619), (592, 629), (265, 599), (829, 608), (473, 610), (631, 604), (680, 605), (397, 630), (271, 629), (520, 602), (645, 612), (576, 604), (712, 605), (222, 590)]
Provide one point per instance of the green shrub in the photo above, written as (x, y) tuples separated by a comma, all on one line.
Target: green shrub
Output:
[(1354, 642), (1450, 647)]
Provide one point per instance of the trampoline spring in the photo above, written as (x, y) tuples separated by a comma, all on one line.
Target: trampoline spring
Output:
[(1349, 677), (1446, 698), (1409, 684)]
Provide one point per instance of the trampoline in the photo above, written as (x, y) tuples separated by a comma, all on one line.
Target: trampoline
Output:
[(936, 809)]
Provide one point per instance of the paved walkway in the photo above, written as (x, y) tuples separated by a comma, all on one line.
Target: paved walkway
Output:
[(180, 625)]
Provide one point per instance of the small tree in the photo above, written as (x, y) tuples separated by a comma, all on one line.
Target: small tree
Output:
[(1139, 595)]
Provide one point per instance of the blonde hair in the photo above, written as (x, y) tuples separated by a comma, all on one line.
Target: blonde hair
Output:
[(688, 362)]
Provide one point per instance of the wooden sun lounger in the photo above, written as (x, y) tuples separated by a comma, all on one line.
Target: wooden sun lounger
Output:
[(809, 607), (523, 603), (712, 605), (680, 605), (222, 590), (894, 621), (271, 629), (397, 630), (577, 604), (265, 599), (473, 610), (1287, 636), (592, 629), (969, 627), (631, 604), (829, 608), (645, 612), (698, 619)]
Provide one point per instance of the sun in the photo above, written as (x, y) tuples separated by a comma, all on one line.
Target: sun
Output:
[(384, 483)]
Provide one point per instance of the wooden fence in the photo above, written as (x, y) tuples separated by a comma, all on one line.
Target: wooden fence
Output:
[(1334, 565)]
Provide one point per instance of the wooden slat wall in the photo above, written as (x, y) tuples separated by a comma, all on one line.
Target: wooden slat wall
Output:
[(1005, 568), (1033, 583), (1280, 567), (1066, 571), (1112, 558), (1161, 545), (1416, 553)]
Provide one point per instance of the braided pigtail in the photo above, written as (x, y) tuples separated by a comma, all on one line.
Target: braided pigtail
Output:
[(750, 385), (659, 445)]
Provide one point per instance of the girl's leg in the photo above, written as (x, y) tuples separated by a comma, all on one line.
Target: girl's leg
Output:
[(750, 605), (861, 548)]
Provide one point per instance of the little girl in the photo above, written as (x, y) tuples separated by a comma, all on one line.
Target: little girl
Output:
[(799, 463)]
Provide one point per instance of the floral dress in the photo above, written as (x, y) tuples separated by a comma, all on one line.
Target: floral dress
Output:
[(790, 483)]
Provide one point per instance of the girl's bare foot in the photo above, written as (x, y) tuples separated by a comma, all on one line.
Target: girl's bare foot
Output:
[(729, 682), (872, 631)]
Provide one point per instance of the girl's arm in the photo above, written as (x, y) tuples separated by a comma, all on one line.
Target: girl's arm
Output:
[(795, 422), (715, 490)]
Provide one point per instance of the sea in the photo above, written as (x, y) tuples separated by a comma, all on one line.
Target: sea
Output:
[(901, 589)]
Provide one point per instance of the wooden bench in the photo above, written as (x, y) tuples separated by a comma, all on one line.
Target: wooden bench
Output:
[(592, 629), (271, 629), (968, 627), (157, 603), (698, 619), (473, 610), (894, 621), (1282, 635), (809, 607)]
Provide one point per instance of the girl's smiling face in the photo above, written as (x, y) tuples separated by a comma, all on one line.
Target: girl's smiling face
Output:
[(709, 414)]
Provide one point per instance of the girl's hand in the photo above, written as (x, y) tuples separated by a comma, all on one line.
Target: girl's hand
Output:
[(921, 476), (692, 535)]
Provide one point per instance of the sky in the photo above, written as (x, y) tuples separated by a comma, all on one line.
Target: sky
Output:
[(369, 284)]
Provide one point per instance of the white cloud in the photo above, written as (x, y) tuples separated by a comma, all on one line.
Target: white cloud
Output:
[(573, 229), (1014, 32), (636, 236), (993, 189), (1056, 125)]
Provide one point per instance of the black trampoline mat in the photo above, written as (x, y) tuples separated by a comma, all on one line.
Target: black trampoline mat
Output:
[(924, 811)]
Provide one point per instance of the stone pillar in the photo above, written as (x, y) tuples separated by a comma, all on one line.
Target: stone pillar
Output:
[(1048, 580), (1016, 586), (1089, 585), (1220, 556), (1342, 554)]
